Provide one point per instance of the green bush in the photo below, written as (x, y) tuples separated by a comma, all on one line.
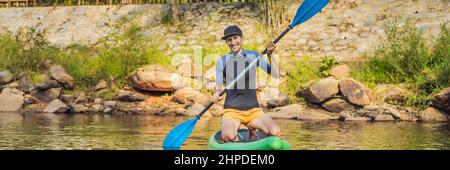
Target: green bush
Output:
[(114, 57), (326, 64), (303, 72), (25, 51), (405, 57)]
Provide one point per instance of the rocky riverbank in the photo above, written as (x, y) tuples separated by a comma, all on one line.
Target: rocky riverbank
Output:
[(158, 91)]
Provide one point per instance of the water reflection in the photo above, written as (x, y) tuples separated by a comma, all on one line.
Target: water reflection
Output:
[(85, 131)]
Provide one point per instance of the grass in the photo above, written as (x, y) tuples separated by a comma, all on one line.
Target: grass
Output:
[(302, 73), (114, 57), (404, 56)]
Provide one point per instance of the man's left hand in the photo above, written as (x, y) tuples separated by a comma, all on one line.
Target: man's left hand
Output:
[(271, 47)]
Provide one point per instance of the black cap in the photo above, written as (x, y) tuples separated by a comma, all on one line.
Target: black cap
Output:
[(231, 30)]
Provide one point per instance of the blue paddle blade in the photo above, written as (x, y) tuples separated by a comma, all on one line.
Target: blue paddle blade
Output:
[(179, 134), (308, 9)]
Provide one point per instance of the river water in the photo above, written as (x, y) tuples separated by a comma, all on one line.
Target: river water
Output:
[(146, 132)]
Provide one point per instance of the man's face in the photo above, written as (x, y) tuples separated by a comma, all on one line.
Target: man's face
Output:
[(234, 42)]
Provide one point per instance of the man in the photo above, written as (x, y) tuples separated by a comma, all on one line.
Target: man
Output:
[(241, 105)]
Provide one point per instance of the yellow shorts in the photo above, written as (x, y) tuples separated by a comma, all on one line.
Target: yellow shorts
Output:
[(244, 116)]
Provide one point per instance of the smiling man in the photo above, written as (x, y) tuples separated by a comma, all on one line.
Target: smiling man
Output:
[(241, 104)]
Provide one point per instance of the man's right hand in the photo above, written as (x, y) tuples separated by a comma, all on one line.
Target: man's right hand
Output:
[(216, 98)]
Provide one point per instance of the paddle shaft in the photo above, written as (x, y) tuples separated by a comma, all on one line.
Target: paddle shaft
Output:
[(243, 72)]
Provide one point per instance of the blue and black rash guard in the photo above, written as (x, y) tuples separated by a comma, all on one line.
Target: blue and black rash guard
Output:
[(243, 95)]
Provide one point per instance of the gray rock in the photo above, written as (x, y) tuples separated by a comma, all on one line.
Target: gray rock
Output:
[(321, 90), (432, 114), (313, 114), (81, 98), (281, 100), (11, 100), (273, 97), (189, 96), (155, 78), (355, 92), (13, 85), (110, 104), (393, 112), (369, 111), (344, 115), (78, 108), (286, 112), (196, 109), (58, 73), (67, 98), (47, 96), (384, 117), (178, 109), (25, 84), (47, 64), (129, 96), (395, 95), (337, 105), (441, 100), (98, 101), (108, 110), (98, 108), (47, 85), (29, 99), (364, 119), (5, 77), (101, 85), (56, 106), (340, 71)]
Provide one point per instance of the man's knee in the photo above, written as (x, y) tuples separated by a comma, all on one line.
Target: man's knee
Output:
[(228, 136), (275, 131)]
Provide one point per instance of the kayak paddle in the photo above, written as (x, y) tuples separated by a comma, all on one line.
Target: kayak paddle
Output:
[(180, 133)]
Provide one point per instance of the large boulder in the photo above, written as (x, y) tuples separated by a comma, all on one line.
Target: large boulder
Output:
[(5, 77), (155, 78), (273, 97), (11, 100), (48, 84), (340, 71), (286, 112), (129, 96), (321, 90), (56, 106), (337, 105), (441, 100), (58, 73), (432, 114), (189, 96), (47, 96), (355, 92)]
